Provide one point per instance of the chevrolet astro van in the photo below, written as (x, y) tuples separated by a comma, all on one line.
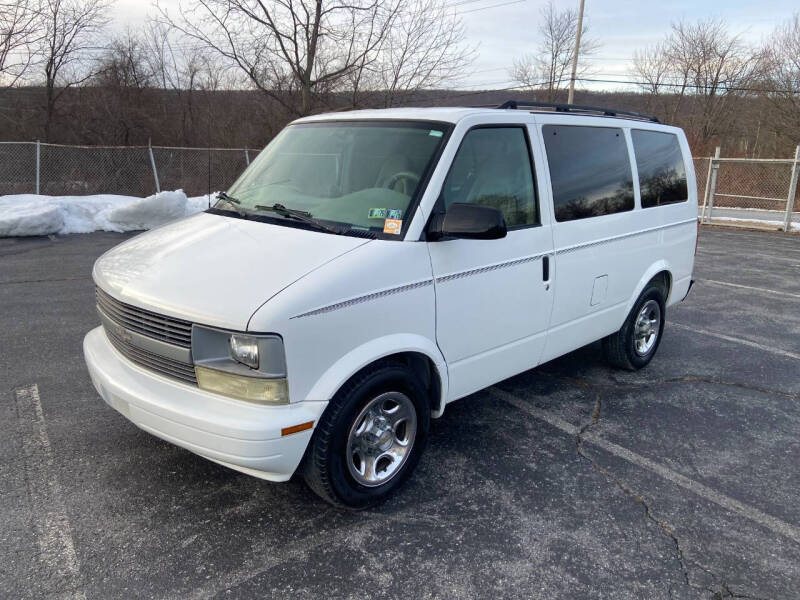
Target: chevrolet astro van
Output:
[(370, 267)]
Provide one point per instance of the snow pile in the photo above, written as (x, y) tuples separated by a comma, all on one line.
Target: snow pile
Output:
[(29, 214)]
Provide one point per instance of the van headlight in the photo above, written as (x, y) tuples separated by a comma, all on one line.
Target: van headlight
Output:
[(244, 366), (244, 349)]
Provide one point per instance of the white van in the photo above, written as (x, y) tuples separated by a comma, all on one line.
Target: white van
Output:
[(370, 267)]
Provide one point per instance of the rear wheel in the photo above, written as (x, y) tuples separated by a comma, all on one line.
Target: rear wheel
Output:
[(370, 437), (637, 341)]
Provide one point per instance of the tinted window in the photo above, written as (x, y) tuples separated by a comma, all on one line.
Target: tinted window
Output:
[(662, 175), (589, 169), (493, 168)]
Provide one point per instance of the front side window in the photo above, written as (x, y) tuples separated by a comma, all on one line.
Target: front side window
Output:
[(662, 174), (493, 167), (362, 175), (589, 170)]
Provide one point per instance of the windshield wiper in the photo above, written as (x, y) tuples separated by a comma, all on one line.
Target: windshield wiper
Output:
[(232, 201), (298, 215)]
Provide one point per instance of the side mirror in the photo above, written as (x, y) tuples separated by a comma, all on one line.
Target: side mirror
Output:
[(468, 221)]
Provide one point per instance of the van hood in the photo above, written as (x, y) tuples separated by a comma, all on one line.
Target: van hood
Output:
[(213, 269)]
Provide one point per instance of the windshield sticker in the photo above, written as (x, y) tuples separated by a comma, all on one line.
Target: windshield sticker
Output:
[(377, 213), (393, 226), (394, 213), (436, 133)]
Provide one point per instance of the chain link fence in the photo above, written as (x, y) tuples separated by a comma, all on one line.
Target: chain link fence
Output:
[(50, 169), (734, 189), (749, 189)]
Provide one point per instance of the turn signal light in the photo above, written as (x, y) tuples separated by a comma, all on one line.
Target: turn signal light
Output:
[(297, 428)]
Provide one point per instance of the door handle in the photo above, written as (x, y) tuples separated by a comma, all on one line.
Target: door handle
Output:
[(545, 268)]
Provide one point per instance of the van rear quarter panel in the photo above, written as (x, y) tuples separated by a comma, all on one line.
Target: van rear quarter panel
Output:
[(628, 247)]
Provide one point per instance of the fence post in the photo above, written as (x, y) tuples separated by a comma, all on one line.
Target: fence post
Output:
[(713, 190), (705, 192), (247, 157), (787, 222), (38, 164), (153, 164)]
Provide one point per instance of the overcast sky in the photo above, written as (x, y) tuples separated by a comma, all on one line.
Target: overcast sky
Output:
[(621, 26)]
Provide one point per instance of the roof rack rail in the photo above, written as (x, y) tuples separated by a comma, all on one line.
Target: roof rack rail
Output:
[(575, 108)]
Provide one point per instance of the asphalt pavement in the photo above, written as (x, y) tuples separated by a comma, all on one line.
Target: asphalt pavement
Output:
[(572, 480)]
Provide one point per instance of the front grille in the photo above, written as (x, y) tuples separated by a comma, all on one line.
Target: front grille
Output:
[(154, 362), (124, 317), (159, 327)]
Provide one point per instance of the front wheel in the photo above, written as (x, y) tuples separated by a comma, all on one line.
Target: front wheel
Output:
[(637, 341), (370, 437)]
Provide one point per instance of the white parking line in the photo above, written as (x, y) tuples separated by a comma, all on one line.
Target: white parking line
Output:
[(737, 340), (750, 287), (768, 521), (49, 515)]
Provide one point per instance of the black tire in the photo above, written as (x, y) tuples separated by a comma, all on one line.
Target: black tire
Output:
[(620, 347), (324, 467)]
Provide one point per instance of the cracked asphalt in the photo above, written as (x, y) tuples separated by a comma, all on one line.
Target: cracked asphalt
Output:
[(572, 480)]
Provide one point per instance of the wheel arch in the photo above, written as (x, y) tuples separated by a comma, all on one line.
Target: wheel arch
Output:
[(420, 354), (658, 271)]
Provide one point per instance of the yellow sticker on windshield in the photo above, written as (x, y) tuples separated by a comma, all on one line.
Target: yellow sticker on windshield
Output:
[(393, 226), (377, 213)]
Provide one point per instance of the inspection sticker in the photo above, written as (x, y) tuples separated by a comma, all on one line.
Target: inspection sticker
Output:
[(377, 213), (394, 213), (393, 226)]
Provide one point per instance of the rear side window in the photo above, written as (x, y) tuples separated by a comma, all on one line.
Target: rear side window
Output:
[(662, 174), (589, 169), (493, 167)]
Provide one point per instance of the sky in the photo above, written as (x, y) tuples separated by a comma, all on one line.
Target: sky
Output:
[(503, 30)]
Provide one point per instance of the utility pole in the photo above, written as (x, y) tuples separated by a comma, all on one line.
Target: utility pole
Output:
[(575, 55)]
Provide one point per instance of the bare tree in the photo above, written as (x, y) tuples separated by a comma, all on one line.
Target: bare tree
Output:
[(703, 67), (124, 79), (549, 66), (176, 67), (783, 58), (289, 48), (425, 48), (18, 36), (70, 29), (651, 66), (124, 63)]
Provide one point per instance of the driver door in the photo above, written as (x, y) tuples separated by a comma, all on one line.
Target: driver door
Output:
[(493, 297)]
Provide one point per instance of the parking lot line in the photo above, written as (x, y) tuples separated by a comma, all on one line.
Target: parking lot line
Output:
[(736, 340), (750, 287), (49, 515), (768, 521)]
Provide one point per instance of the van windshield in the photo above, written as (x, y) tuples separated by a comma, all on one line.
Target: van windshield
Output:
[(360, 174)]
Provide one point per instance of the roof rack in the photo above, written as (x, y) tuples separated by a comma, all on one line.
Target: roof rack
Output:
[(575, 108)]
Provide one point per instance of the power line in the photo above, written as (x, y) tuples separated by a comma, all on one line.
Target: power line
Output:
[(462, 2), (464, 94), (722, 88), (464, 12)]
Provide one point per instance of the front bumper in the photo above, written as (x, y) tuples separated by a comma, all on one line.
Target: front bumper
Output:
[(239, 435)]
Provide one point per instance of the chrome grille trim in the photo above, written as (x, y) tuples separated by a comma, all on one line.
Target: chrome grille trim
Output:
[(152, 341), (159, 327), (154, 362)]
